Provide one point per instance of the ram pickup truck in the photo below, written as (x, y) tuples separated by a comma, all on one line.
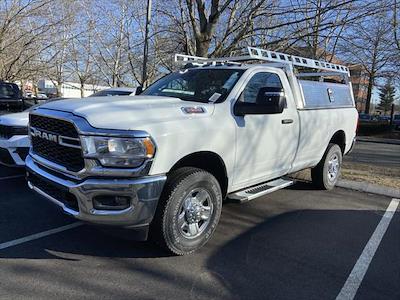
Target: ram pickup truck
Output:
[(162, 165), (10, 96), (14, 141)]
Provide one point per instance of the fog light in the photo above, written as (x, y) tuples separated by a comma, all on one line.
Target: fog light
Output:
[(107, 202)]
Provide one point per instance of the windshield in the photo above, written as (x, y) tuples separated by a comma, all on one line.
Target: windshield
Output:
[(111, 93), (9, 91), (200, 85)]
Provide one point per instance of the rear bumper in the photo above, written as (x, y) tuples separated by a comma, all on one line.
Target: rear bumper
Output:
[(76, 198), (14, 151)]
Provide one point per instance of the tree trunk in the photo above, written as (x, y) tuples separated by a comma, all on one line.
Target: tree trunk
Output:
[(82, 88), (369, 93), (59, 89), (202, 47)]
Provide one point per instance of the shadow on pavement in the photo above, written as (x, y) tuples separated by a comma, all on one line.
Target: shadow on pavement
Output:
[(261, 250)]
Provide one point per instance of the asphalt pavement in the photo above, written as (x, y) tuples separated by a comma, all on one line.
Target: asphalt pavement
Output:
[(382, 155), (298, 243)]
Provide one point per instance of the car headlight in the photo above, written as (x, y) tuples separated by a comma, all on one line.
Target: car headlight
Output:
[(118, 152)]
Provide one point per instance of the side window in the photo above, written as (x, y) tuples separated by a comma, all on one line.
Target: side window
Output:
[(258, 81)]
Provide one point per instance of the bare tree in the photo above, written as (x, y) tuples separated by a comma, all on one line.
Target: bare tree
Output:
[(222, 28), (370, 45), (22, 37)]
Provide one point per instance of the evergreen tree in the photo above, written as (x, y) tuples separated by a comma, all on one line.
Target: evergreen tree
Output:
[(387, 95)]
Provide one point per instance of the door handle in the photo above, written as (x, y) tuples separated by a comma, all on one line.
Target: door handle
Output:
[(287, 121)]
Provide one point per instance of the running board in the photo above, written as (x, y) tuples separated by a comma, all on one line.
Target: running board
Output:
[(260, 190)]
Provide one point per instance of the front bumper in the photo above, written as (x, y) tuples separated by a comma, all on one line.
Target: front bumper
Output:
[(12, 103), (144, 193), (14, 150)]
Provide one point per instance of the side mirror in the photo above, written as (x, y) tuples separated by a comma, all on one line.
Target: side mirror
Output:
[(139, 90), (269, 101)]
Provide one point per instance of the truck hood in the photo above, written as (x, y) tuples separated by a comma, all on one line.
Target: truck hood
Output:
[(129, 112), (17, 119)]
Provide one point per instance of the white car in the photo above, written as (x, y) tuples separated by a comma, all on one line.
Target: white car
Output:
[(162, 165), (116, 91), (14, 141)]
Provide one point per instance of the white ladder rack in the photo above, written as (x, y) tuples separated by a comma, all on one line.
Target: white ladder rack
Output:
[(268, 56)]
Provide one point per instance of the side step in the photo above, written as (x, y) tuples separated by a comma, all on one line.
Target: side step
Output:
[(260, 190)]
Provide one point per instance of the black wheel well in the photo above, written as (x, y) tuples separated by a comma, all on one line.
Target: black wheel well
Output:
[(208, 161), (339, 138)]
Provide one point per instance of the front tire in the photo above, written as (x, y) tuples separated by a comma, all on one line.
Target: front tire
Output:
[(326, 174), (188, 212)]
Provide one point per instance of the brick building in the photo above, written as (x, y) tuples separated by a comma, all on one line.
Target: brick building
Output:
[(359, 79)]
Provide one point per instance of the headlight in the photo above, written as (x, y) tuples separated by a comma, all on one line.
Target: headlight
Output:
[(118, 152)]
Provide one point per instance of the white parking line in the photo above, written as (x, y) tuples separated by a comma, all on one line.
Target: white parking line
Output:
[(38, 235), (12, 177), (356, 276)]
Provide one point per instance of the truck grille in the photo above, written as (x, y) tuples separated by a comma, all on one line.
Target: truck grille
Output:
[(68, 157), (7, 132)]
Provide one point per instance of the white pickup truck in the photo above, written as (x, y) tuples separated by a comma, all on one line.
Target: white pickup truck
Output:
[(219, 128), (14, 141)]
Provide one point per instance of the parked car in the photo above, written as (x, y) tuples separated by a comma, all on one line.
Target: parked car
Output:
[(116, 91), (384, 120), (366, 118), (42, 96), (14, 139), (10, 96), (162, 165), (396, 121)]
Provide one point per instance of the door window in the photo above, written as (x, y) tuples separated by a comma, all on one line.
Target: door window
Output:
[(258, 81)]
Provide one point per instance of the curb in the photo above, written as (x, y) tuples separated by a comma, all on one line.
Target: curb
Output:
[(369, 188), (378, 141)]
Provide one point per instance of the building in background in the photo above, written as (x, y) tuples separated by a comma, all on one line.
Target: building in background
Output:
[(359, 80), (68, 89)]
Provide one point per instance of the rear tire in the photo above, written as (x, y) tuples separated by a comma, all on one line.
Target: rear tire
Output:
[(326, 174), (188, 212)]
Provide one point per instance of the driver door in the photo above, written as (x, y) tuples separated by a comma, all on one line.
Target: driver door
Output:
[(265, 143)]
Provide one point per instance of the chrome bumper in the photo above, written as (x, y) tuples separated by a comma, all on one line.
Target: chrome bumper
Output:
[(144, 193), (12, 145)]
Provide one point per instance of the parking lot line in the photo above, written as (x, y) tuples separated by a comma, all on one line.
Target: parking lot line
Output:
[(356, 276), (11, 177), (38, 235)]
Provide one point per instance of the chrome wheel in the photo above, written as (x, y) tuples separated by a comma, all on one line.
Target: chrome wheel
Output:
[(333, 167), (195, 213)]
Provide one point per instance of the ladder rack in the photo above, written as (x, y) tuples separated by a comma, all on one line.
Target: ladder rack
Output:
[(268, 56)]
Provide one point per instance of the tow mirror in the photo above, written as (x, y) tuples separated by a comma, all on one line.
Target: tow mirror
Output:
[(270, 100)]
